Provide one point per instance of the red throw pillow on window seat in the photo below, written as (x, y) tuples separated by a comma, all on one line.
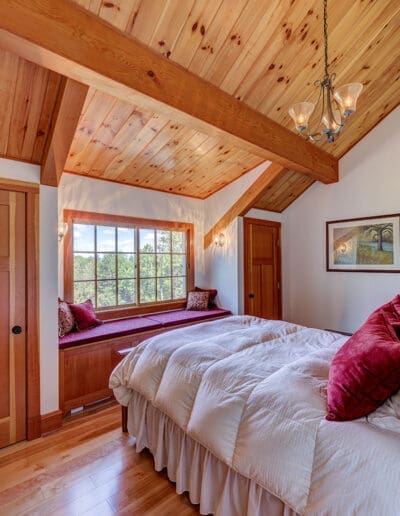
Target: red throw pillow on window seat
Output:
[(366, 369), (85, 315), (213, 294)]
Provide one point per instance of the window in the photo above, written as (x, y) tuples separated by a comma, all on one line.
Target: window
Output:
[(122, 263)]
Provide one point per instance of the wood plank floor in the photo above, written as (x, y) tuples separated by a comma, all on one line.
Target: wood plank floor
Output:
[(87, 467)]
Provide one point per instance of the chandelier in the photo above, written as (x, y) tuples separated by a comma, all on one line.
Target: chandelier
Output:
[(337, 104)]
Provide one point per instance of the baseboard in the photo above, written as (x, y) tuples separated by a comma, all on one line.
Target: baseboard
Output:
[(51, 421)]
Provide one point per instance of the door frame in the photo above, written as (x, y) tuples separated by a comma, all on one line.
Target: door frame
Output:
[(246, 288), (33, 418)]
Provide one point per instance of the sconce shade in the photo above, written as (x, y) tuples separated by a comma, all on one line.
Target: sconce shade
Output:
[(301, 113), (347, 96), (220, 240), (62, 229)]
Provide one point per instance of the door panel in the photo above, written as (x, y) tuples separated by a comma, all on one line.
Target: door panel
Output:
[(12, 313), (262, 268)]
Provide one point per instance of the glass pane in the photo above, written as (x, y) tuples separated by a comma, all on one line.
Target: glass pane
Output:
[(83, 237), (178, 264), (147, 290), (83, 266), (84, 290), (178, 242), (163, 241), (106, 293), (105, 238), (126, 240), (147, 265), (178, 288), (127, 292), (164, 289), (146, 240), (106, 266), (126, 266), (163, 265)]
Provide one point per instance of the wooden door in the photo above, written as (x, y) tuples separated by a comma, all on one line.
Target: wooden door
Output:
[(262, 268), (12, 317)]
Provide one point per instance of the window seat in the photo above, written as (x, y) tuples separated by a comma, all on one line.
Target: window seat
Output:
[(86, 358), (132, 325)]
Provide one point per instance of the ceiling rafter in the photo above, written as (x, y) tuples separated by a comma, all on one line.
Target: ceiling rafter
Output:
[(66, 39), (68, 108), (246, 201)]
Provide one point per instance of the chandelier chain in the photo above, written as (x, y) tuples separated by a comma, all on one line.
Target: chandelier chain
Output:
[(326, 38)]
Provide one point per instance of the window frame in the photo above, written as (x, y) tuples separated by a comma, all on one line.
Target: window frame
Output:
[(83, 217)]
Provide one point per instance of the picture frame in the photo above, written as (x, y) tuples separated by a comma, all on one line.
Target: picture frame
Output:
[(364, 244)]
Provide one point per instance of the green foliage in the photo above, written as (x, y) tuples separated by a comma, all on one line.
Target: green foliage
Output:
[(116, 272), (367, 255)]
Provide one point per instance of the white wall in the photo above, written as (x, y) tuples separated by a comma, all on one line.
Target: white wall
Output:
[(224, 265), (369, 185), (81, 193), (48, 279)]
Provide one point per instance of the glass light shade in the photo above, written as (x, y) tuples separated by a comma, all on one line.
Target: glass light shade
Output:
[(347, 96), (301, 113), (333, 125)]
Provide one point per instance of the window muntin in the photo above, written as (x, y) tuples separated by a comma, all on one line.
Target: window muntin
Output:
[(120, 266)]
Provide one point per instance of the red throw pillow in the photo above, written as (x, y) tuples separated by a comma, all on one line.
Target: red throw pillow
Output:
[(85, 316), (213, 294), (365, 371)]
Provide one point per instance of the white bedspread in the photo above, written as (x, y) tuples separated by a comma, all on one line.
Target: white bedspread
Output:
[(253, 392)]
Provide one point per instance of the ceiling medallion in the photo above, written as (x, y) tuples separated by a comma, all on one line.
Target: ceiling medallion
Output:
[(337, 104)]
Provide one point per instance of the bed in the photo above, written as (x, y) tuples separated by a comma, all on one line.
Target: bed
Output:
[(235, 410)]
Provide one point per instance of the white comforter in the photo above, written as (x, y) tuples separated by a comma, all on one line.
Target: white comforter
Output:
[(253, 392)]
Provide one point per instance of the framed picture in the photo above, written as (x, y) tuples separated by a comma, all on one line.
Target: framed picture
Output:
[(367, 244)]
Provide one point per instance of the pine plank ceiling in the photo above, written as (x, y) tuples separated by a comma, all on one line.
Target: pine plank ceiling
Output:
[(267, 53)]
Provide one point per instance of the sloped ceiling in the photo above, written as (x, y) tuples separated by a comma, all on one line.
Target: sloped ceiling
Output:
[(267, 53)]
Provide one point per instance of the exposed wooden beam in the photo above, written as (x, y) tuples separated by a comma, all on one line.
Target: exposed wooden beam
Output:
[(65, 38), (250, 197), (68, 108)]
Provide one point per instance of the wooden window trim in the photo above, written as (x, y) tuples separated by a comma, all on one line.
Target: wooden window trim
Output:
[(83, 217)]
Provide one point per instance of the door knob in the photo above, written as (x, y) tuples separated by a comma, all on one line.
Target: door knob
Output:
[(16, 330), (251, 296)]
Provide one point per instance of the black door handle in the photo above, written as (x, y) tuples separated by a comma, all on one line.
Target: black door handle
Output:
[(251, 296), (16, 330)]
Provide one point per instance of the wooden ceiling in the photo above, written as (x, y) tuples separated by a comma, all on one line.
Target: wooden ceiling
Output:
[(27, 98), (266, 53), (120, 142)]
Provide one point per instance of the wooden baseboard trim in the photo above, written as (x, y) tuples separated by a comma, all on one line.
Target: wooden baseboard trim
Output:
[(33, 428), (51, 421)]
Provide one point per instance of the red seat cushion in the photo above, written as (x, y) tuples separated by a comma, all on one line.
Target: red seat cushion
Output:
[(107, 330), (186, 316), (366, 369)]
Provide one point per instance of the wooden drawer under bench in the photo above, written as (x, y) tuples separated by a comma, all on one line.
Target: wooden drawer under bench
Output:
[(84, 370)]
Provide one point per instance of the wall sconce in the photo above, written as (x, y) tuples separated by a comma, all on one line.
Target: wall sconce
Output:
[(219, 240), (62, 229)]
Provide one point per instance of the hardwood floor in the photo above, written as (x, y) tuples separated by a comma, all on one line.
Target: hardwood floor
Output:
[(87, 467)]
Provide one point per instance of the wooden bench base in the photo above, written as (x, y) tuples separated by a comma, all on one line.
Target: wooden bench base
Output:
[(84, 371)]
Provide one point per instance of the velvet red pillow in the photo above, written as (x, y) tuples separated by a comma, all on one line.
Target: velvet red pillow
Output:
[(366, 370), (85, 316), (213, 294)]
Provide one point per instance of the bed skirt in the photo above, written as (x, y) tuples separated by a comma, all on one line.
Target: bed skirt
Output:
[(211, 484)]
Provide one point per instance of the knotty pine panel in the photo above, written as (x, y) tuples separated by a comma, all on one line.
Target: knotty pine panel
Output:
[(269, 54)]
